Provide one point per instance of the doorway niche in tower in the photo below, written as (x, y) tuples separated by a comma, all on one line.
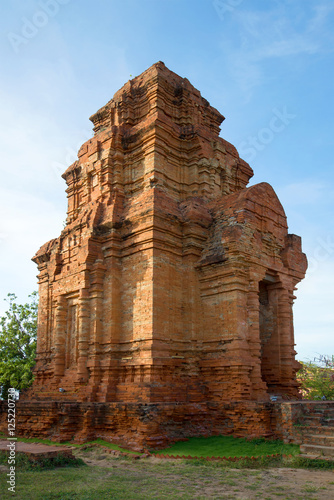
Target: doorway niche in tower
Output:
[(268, 333)]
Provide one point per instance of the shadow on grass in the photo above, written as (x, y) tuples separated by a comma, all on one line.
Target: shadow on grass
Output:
[(24, 463), (229, 446)]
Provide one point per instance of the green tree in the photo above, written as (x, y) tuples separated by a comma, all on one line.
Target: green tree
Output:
[(18, 332), (317, 378)]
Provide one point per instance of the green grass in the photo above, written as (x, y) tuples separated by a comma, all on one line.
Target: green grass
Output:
[(229, 446), (215, 446), (126, 479)]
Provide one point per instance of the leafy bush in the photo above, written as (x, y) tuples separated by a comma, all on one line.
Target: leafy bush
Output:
[(18, 333), (317, 378)]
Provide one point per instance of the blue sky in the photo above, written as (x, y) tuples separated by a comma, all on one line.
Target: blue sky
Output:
[(267, 66)]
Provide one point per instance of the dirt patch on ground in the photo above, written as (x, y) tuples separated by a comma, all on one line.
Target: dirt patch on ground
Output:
[(211, 480)]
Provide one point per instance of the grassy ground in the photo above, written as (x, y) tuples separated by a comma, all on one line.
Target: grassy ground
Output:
[(215, 446), (108, 477), (229, 446)]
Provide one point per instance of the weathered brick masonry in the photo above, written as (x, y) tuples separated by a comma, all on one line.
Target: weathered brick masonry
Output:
[(171, 286), (140, 425)]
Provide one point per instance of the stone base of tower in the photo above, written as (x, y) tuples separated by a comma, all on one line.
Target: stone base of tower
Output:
[(140, 426)]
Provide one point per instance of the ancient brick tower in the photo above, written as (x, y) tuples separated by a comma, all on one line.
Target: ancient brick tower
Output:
[(172, 281)]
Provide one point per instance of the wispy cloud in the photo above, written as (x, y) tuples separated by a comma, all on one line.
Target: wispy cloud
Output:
[(273, 34), (307, 192), (282, 35), (320, 18), (296, 45)]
